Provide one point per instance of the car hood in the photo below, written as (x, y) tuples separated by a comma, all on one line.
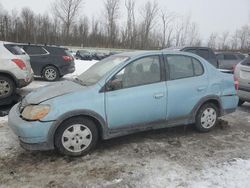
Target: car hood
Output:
[(51, 91)]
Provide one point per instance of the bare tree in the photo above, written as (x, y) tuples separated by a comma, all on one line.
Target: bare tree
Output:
[(111, 9), (167, 18), (27, 16), (148, 13), (223, 41), (130, 32), (212, 41), (66, 11)]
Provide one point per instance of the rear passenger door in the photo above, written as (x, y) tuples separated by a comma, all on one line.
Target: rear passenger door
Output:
[(187, 84), (38, 58)]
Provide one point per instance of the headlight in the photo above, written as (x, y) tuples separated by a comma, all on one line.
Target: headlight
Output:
[(35, 112)]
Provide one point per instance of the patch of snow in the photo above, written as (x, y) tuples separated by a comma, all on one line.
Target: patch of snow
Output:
[(3, 119), (81, 66), (235, 173), (160, 173)]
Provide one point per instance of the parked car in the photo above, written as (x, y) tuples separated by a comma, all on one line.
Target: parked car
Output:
[(124, 94), (228, 60), (242, 73), (15, 70), (83, 55), (204, 52), (98, 55), (49, 62)]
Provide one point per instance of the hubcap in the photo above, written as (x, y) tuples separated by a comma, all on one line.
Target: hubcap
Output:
[(76, 138), (4, 88), (50, 74), (208, 118)]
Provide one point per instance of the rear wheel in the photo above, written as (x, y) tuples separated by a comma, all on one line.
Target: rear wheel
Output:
[(241, 102), (76, 136), (7, 87), (50, 73), (207, 117)]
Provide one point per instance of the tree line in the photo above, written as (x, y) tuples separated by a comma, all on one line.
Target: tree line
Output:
[(146, 27)]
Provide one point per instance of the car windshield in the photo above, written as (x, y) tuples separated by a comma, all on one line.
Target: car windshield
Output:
[(98, 70)]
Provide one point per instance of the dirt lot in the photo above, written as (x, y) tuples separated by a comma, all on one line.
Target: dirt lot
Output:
[(174, 157)]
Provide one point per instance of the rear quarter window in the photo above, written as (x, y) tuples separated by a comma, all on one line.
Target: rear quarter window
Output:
[(14, 49), (35, 50)]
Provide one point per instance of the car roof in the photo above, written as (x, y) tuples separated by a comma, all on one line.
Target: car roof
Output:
[(154, 52)]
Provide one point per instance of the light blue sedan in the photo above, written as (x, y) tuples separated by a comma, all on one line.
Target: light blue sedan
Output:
[(124, 94)]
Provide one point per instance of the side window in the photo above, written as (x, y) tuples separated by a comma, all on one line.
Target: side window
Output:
[(203, 53), (191, 51), (34, 50), (230, 57), (140, 72), (220, 56), (198, 68), (241, 56), (180, 67), (183, 67)]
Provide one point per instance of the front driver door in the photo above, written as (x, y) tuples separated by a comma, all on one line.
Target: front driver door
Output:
[(137, 94)]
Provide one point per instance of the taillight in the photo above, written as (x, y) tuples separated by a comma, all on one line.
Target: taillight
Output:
[(236, 83), (67, 58), (19, 63)]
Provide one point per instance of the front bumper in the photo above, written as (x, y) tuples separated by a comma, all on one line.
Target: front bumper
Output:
[(33, 135)]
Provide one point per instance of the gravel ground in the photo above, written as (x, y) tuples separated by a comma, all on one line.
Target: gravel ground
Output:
[(173, 157)]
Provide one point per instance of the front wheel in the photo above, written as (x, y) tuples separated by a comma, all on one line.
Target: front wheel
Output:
[(76, 136), (207, 117)]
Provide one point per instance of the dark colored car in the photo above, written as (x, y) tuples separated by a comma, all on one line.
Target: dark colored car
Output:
[(99, 56), (228, 60), (83, 55), (49, 62), (205, 52)]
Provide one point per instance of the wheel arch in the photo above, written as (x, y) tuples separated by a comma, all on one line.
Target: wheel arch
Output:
[(95, 117), (9, 75), (208, 99)]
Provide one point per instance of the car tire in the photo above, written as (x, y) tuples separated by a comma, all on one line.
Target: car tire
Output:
[(50, 73), (207, 117), (241, 102), (76, 137), (7, 87)]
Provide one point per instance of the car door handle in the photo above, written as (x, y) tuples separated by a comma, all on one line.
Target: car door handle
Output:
[(201, 88), (158, 95)]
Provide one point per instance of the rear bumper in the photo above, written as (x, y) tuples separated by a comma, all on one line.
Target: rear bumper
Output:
[(229, 104), (67, 69), (24, 82)]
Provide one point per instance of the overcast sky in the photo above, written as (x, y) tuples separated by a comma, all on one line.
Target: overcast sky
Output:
[(210, 15)]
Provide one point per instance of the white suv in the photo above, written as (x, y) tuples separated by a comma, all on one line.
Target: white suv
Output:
[(15, 69)]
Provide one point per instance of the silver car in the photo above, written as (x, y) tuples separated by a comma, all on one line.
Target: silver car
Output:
[(228, 60), (242, 73), (15, 69)]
